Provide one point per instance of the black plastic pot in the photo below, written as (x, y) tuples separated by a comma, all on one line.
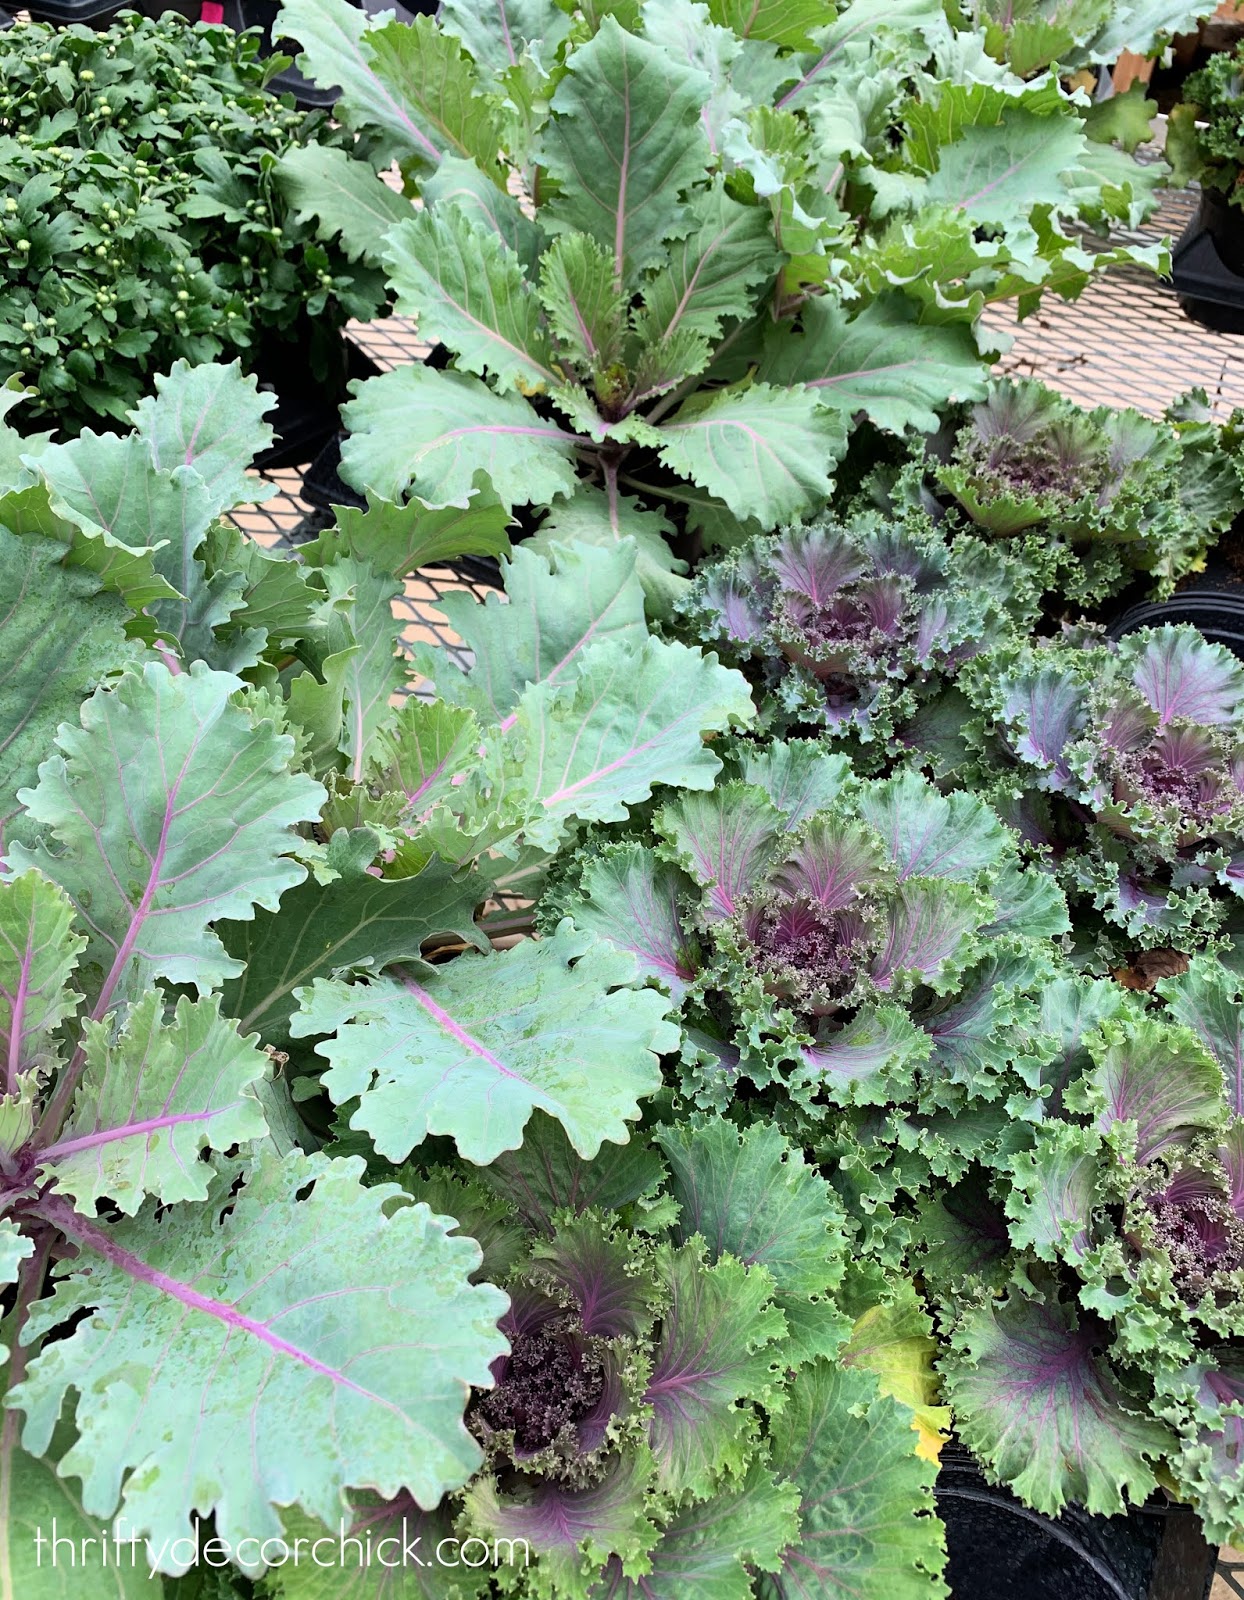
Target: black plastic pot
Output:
[(1000, 1550), (90, 13), (1207, 265), (308, 400), (1214, 603)]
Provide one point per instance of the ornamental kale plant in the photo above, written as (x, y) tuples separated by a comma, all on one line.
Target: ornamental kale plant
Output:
[(1205, 141), (686, 1397), (1121, 766), (835, 936), (142, 222), (671, 261), (861, 625), (1115, 1353), (218, 812), (1091, 497)]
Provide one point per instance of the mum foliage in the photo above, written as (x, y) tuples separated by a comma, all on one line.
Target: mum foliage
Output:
[(1121, 765), (142, 222), (671, 261)]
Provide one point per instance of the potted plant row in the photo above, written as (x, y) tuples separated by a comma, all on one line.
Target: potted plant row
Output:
[(837, 1070), (143, 224), (622, 1108)]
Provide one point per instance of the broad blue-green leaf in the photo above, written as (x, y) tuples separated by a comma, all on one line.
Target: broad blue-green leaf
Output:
[(713, 273), (466, 289), (585, 307), (14, 1249), (358, 654), (151, 1099), (1043, 1412), (1141, 25), (855, 24), (423, 752), (462, 185), (596, 517), (556, 608), (765, 451), (719, 1344), (39, 950), (883, 363), (169, 808), (351, 203), (356, 922), (432, 432), (401, 539), (995, 174), (623, 142), (496, 36), (59, 637), (408, 82), (303, 1295), (472, 1048), (211, 418), (751, 1195), (631, 719), (788, 23), (866, 1512), (108, 485)]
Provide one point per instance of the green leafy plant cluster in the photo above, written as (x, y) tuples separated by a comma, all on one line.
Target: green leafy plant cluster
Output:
[(674, 250), (271, 1047), (1032, 35), (1205, 141), (622, 1090), (140, 218), (614, 1069)]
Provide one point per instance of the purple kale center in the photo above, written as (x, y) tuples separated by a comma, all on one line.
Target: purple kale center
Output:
[(549, 1383), (807, 955), (1052, 461), (1198, 1228), (1180, 770)]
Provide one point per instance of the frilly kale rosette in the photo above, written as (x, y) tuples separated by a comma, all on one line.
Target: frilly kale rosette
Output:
[(686, 1406), (1118, 1347), (861, 942), (856, 625), (1113, 491), (1124, 765)]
